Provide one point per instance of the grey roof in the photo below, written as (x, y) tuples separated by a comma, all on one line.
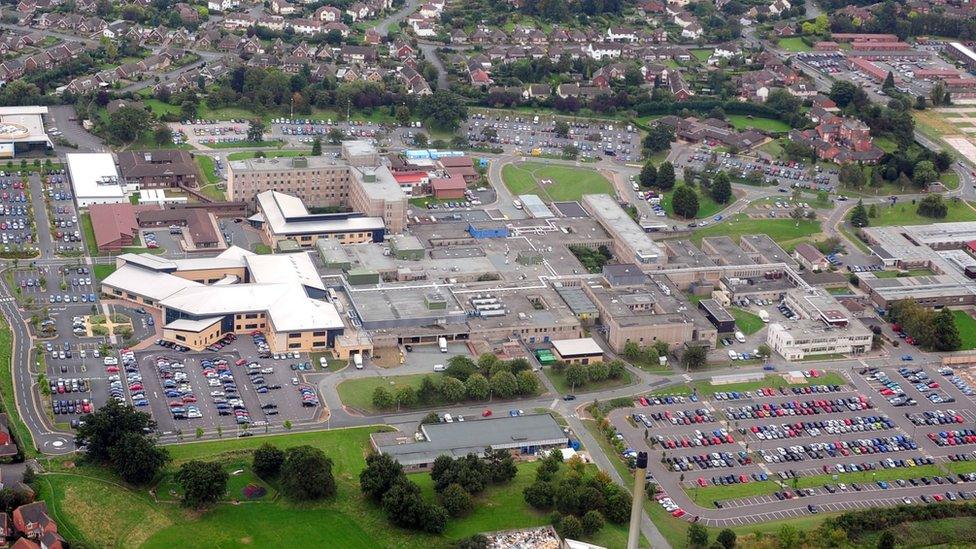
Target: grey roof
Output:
[(535, 206), (287, 215), (461, 438)]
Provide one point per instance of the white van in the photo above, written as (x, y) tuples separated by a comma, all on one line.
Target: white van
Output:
[(517, 204), (739, 337), (733, 355), (448, 418), (439, 368), (357, 359), (635, 186)]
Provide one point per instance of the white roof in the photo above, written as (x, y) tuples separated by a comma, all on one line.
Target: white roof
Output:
[(577, 347), (287, 215), (187, 325), (94, 176), (155, 285), (293, 267), (235, 252)]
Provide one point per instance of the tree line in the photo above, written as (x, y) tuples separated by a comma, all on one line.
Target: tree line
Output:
[(935, 330), (464, 379)]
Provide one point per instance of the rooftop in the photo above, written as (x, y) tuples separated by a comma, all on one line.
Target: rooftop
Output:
[(94, 176), (287, 215)]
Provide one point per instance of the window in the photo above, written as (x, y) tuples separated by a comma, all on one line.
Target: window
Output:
[(318, 334), (180, 338), (294, 335)]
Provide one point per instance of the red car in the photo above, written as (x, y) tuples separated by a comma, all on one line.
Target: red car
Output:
[(486, 413)]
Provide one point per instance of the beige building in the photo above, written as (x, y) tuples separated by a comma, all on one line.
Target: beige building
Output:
[(204, 299), (284, 217), (358, 181)]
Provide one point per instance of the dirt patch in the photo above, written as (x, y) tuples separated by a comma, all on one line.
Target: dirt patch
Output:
[(386, 357)]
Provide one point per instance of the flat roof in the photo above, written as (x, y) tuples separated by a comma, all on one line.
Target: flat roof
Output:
[(94, 176), (187, 325), (718, 312), (616, 221), (583, 346), (535, 206), (287, 215), (383, 187), (461, 438)]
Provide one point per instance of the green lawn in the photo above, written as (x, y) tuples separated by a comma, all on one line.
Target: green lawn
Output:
[(786, 232), (967, 328), (910, 272), (702, 54), (243, 144), (88, 232), (92, 509), (159, 108), (207, 168), (358, 393), (103, 270), (795, 44), (775, 381), (903, 213), (262, 249), (746, 321), (554, 182), (886, 144), (563, 387), (242, 155), (745, 122), (950, 532), (707, 207), (19, 428), (422, 201)]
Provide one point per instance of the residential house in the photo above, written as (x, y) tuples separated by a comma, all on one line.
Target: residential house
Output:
[(32, 520), (328, 14)]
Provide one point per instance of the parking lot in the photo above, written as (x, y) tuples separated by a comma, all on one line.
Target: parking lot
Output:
[(791, 438), (785, 173), (65, 230), (17, 229), (531, 134), (299, 132), (231, 389)]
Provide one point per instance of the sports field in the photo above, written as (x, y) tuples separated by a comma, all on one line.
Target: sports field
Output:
[(966, 325), (554, 183), (795, 44)]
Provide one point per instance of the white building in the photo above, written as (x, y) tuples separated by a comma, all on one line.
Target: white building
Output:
[(22, 129), (825, 327), (96, 180)]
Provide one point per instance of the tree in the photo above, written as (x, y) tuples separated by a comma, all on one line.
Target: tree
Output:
[(658, 138), (539, 494), (443, 109), (561, 129), (726, 538), (203, 482), (765, 350), (851, 175), (694, 358), (946, 333), (267, 460), (404, 506), (648, 174), (306, 474), (665, 176), (933, 206), (317, 147), (452, 389), (402, 115), (504, 385), (255, 130), (570, 527), (501, 465), (859, 215), (592, 522), (405, 396), (886, 540), (889, 82), (477, 387), (697, 535), (598, 371), (456, 500), (461, 367), (684, 202), (924, 174), (162, 134), (382, 398), (576, 375), (127, 124), (381, 472), (137, 459), (788, 536), (722, 188), (105, 428), (939, 94)]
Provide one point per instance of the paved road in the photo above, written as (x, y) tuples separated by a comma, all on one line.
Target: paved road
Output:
[(383, 25), (430, 54)]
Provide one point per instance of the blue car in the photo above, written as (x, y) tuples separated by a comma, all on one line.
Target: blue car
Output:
[(140, 403), (92, 298), (907, 358)]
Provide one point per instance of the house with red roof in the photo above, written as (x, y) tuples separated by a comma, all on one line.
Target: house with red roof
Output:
[(448, 188)]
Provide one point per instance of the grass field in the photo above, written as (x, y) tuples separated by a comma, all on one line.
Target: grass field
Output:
[(795, 44), (702, 54), (951, 532), (786, 232), (905, 214), (705, 388), (103, 270), (746, 321), (262, 249), (91, 508), (911, 272), (243, 144), (358, 393), (566, 182), (207, 168), (966, 325), (563, 387), (707, 207), (744, 122)]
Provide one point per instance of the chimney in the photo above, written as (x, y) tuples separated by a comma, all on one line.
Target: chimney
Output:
[(637, 506)]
